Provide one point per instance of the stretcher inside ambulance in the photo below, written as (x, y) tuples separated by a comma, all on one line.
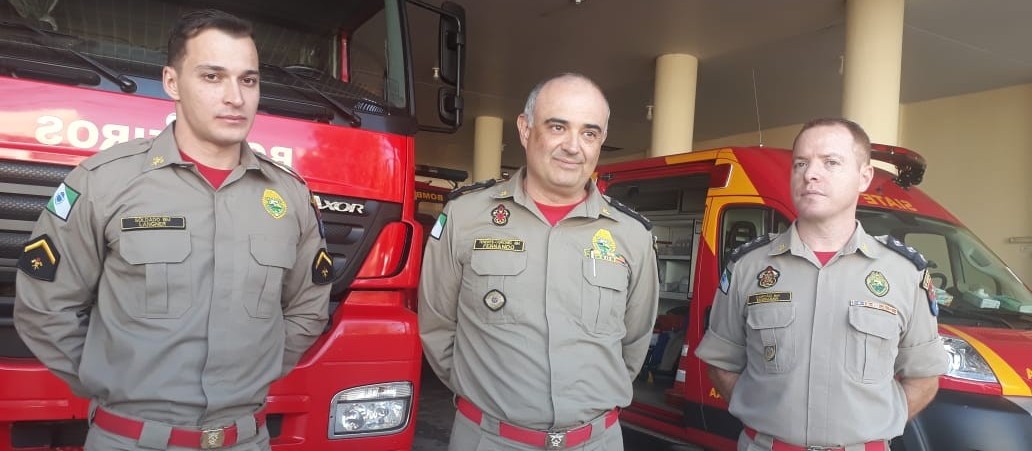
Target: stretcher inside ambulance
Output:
[(703, 204)]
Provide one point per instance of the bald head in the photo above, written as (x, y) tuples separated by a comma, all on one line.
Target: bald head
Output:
[(563, 78)]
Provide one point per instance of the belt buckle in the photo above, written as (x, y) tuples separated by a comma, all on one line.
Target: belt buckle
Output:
[(555, 440), (213, 438)]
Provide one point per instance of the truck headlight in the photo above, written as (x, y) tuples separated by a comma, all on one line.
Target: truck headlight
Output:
[(965, 362), (370, 409)]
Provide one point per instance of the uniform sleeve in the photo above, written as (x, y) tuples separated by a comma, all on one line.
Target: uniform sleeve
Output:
[(723, 345), (305, 303), (439, 297), (921, 353), (52, 316), (640, 315)]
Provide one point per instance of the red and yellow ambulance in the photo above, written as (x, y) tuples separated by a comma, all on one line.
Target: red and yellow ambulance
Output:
[(704, 204)]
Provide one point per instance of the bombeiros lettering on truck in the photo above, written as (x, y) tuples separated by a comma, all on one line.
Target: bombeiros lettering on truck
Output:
[(73, 82), (80, 133)]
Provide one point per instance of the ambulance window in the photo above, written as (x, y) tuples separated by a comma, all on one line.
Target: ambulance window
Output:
[(934, 248), (741, 224)]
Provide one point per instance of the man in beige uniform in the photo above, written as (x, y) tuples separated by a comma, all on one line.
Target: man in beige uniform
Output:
[(170, 298), (540, 321), (810, 328)]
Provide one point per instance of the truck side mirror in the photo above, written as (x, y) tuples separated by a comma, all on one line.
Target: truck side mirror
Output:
[(452, 45)]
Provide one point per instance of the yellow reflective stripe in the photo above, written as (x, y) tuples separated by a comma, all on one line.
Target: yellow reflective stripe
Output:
[(1009, 379)]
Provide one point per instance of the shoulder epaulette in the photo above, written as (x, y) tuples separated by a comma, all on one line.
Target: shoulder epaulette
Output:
[(630, 212), (907, 252), (281, 166), (134, 147), (750, 246), (465, 189)]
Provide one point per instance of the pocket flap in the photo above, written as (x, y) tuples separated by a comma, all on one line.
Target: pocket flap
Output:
[(140, 247), (874, 322), (271, 251), (769, 316), (498, 263), (601, 273)]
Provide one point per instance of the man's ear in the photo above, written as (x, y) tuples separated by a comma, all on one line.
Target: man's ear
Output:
[(170, 81), (523, 127), (866, 176)]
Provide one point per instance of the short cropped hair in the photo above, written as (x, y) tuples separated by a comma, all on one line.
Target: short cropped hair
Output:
[(860, 139), (528, 108), (194, 22)]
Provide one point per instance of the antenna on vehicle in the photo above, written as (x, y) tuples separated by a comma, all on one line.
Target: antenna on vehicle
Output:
[(756, 101)]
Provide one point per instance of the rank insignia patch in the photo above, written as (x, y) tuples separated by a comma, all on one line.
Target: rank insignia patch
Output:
[(877, 283), (768, 277), (603, 247), (39, 259), (274, 205), (62, 201), (322, 268), (500, 215), (438, 229), (494, 300)]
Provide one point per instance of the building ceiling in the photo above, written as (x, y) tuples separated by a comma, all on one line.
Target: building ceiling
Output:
[(781, 58)]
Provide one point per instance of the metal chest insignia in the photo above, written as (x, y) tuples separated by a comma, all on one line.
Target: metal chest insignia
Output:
[(877, 283), (494, 300), (274, 205), (768, 277), (500, 215), (769, 352), (603, 247), (40, 258), (322, 268)]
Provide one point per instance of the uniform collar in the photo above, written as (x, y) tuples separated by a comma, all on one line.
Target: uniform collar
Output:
[(595, 205), (164, 152), (790, 241)]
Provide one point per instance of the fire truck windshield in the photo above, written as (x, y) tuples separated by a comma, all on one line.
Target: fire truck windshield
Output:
[(972, 285), (307, 42)]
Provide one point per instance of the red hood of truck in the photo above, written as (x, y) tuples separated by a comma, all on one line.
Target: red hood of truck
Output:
[(1005, 350)]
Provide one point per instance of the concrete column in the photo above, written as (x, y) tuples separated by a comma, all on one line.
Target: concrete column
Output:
[(871, 70), (673, 112), (487, 148)]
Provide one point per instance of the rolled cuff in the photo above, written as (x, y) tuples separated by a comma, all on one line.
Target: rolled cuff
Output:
[(924, 360), (721, 353)]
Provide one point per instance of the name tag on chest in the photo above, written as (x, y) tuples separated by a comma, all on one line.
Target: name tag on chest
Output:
[(492, 244), (154, 223)]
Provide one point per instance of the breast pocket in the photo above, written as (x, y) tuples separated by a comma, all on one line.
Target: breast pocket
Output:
[(871, 344), (604, 296), (271, 257), (770, 322), (492, 293), (168, 281)]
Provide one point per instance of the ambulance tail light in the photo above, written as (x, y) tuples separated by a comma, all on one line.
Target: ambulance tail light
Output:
[(720, 175), (388, 253), (965, 362), (370, 410)]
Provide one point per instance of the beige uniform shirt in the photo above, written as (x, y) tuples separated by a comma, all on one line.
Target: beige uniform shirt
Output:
[(172, 301), (818, 347), (539, 326)]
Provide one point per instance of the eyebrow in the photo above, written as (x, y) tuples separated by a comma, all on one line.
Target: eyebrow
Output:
[(215, 68), (565, 122)]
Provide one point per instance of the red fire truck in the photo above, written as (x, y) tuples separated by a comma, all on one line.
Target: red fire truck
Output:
[(704, 204), (77, 76)]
